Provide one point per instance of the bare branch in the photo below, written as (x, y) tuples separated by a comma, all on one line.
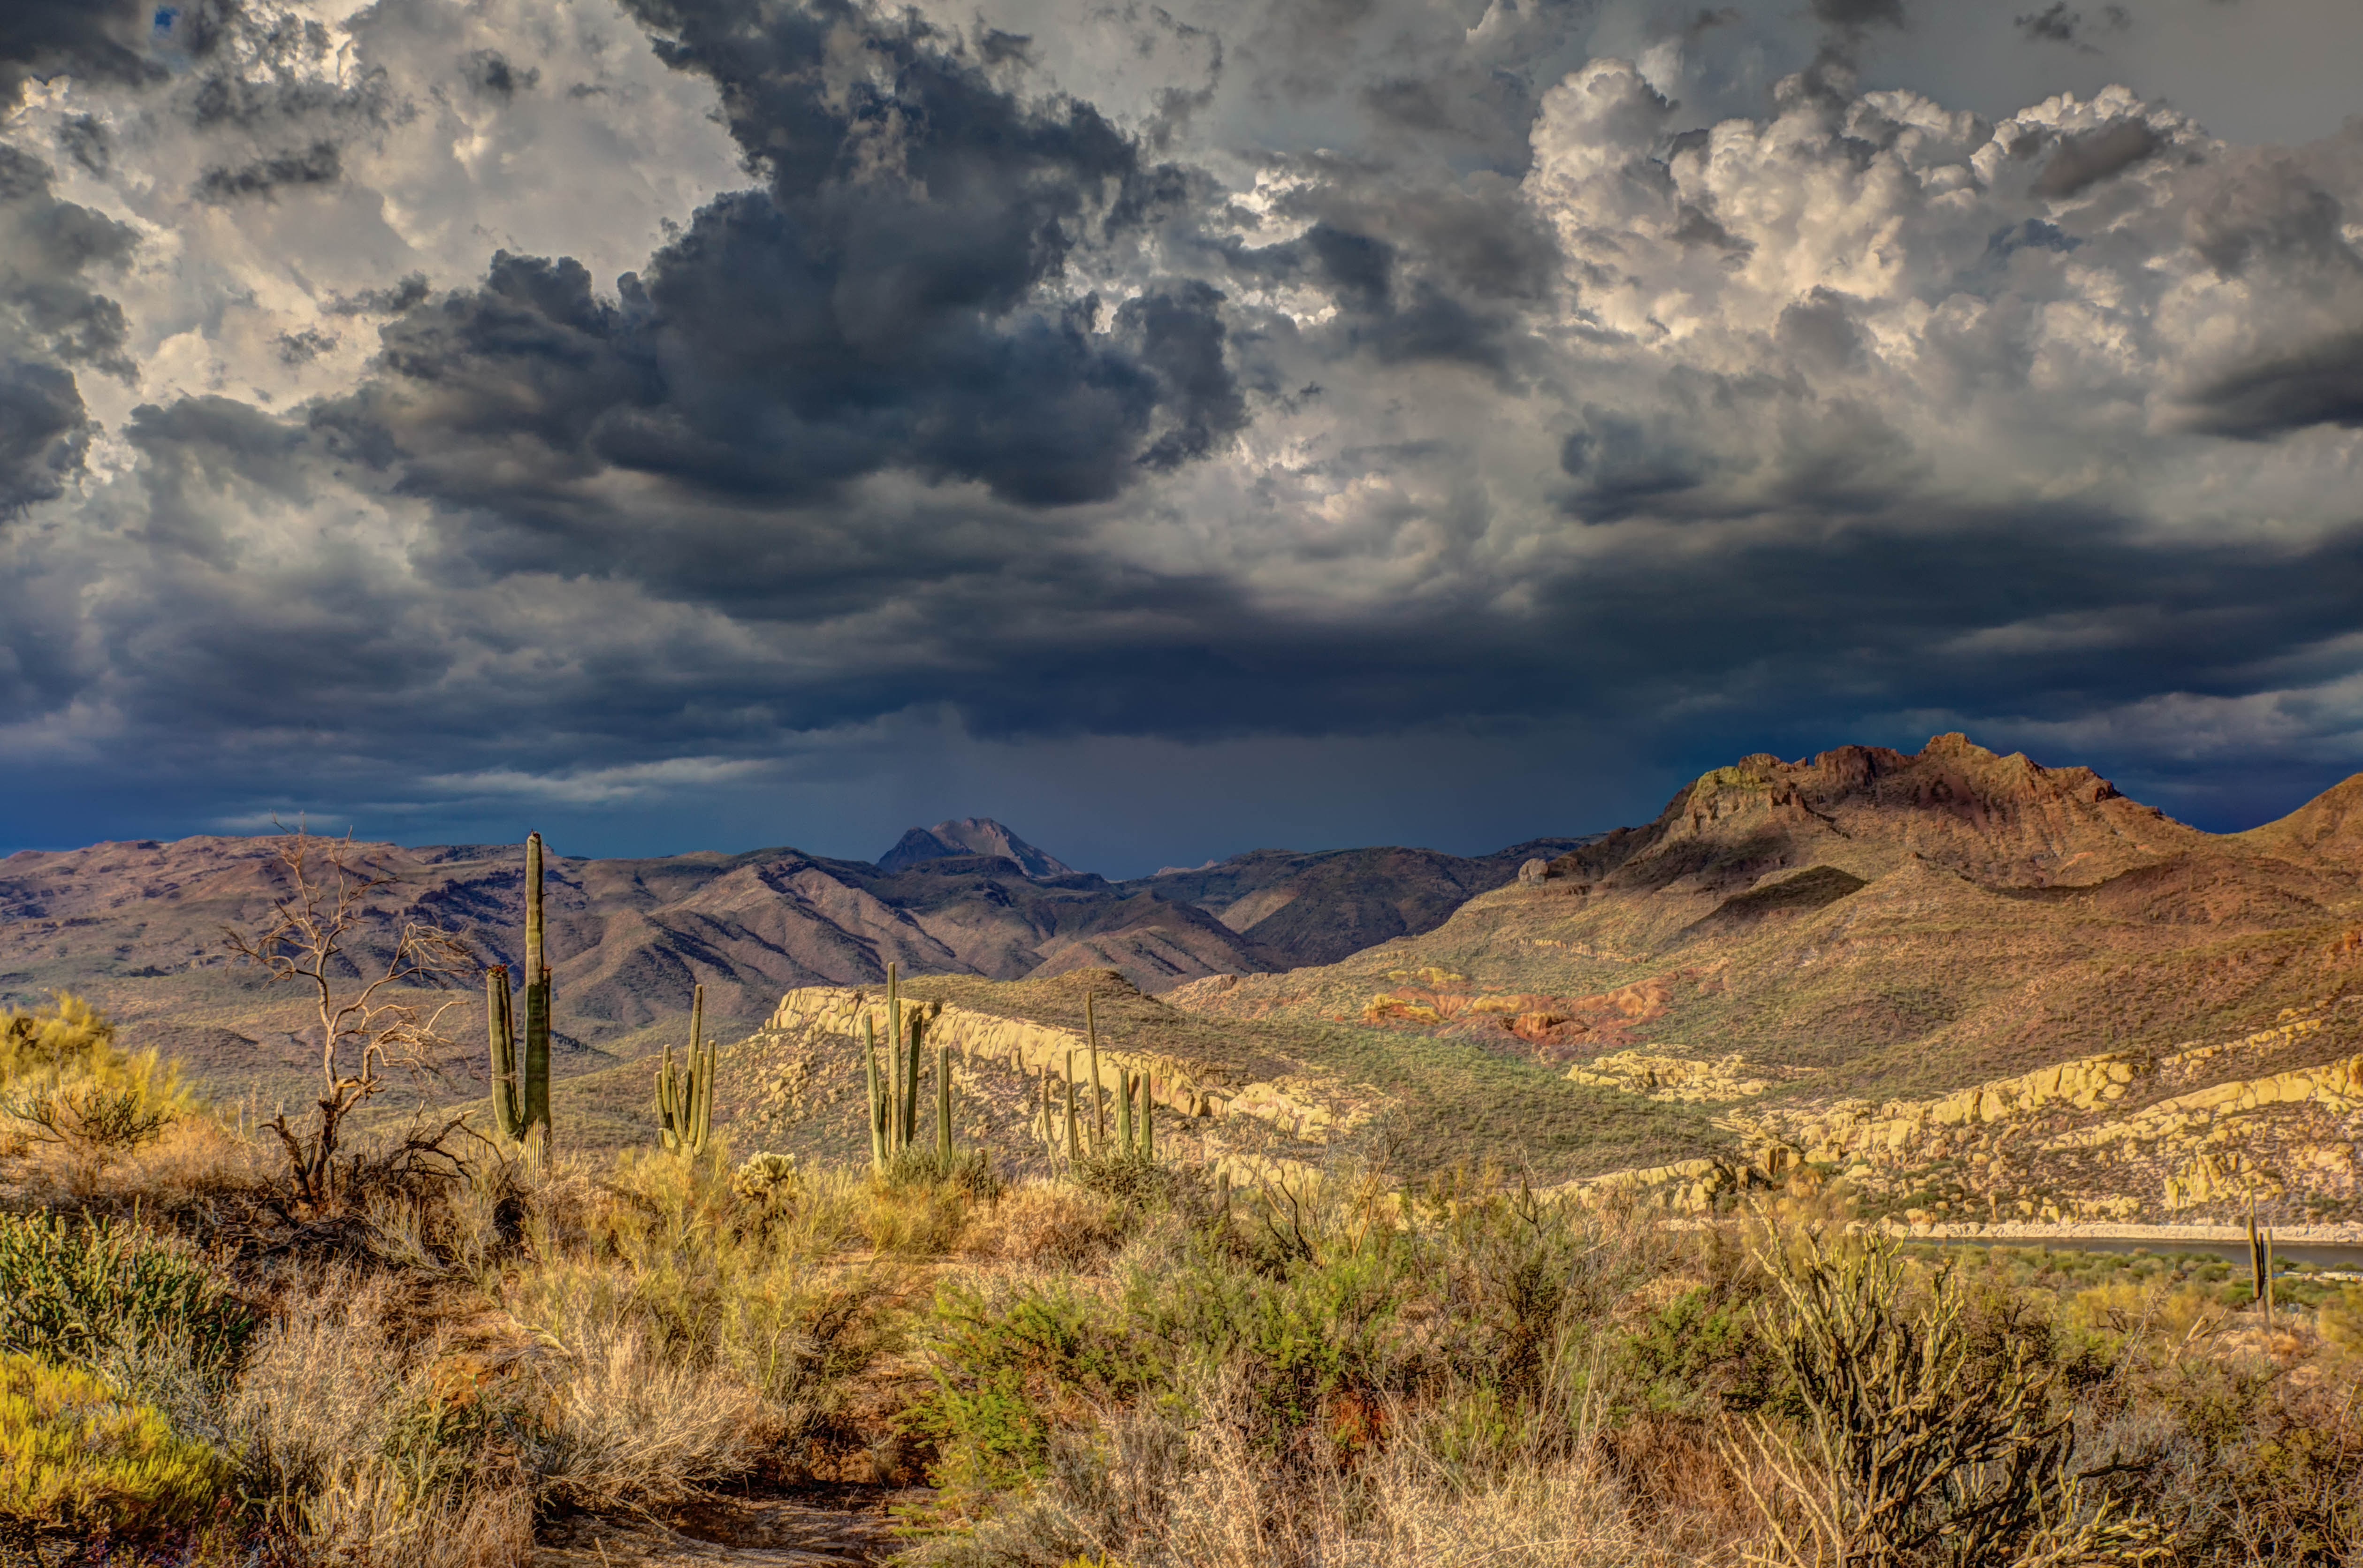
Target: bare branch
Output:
[(362, 1033)]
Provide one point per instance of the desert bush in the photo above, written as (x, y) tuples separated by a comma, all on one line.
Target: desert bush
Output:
[(629, 1426), (358, 1443), (1909, 1448), (1055, 1225), (68, 1033), (667, 1272), (78, 1459), (75, 1289), (64, 1082)]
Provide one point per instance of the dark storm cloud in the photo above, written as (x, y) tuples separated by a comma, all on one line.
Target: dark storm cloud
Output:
[(403, 297), (98, 39), (51, 320), (1341, 367), (46, 248), (85, 140), (319, 164), (2060, 23), (882, 302), (2320, 384), (2084, 159), (489, 71), (44, 433), (1857, 14)]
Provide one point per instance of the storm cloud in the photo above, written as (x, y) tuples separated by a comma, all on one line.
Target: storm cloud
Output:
[(1218, 379)]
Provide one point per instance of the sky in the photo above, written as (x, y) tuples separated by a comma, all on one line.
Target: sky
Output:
[(1170, 430)]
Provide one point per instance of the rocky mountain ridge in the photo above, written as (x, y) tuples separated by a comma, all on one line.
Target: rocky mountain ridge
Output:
[(1893, 944), (137, 927)]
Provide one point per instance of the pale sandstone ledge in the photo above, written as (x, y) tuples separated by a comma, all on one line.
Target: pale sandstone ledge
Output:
[(1193, 1089)]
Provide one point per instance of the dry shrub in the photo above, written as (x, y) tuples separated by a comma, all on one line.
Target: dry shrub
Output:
[(1154, 1487), (1052, 1225), (1680, 1489), (1404, 1507), (373, 1518), (626, 1425), (359, 1454), (915, 1221)]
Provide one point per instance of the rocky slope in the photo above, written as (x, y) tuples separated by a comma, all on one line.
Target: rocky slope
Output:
[(1867, 931), (1258, 1096)]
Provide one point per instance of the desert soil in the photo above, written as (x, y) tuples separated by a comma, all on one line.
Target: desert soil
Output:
[(816, 1527)]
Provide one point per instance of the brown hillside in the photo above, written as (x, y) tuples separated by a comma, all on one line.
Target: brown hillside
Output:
[(1877, 923)]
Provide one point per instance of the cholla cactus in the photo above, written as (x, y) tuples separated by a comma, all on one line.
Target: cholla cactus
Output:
[(768, 1178)]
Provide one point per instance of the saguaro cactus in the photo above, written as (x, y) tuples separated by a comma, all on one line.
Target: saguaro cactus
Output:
[(521, 1088), (2260, 1264), (685, 1099), (894, 1092), (944, 1105), (1099, 1105)]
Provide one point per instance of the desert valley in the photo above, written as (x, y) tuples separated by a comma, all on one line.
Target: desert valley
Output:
[(1972, 988)]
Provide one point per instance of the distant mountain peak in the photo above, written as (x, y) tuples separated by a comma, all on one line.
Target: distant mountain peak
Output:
[(971, 836)]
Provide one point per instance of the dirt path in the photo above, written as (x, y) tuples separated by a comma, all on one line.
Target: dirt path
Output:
[(820, 1528)]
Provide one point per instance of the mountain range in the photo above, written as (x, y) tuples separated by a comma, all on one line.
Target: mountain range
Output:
[(1957, 981), (137, 927)]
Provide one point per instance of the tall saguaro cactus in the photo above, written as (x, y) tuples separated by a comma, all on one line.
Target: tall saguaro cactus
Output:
[(685, 1099), (521, 1088), (1099, 1105), (944, 1105), (894, 1090)]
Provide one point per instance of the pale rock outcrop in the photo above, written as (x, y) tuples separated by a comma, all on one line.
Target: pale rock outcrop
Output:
[(1670, 1077), (1017, 1043), (2336, 1086)]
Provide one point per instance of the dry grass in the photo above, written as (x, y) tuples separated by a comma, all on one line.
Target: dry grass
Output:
[(362, 1449), (624, 1422), (1049, 1226)]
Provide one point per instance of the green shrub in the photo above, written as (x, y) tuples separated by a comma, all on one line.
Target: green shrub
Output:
[(66, 1083), (1009, 1373), (68, 1033), (75, 1290), (1126, 1177), (77, 1457)]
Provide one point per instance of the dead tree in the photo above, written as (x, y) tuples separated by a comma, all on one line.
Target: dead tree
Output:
[(369, 1023)]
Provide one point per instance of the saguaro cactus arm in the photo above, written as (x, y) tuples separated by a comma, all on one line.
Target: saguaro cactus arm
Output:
[(508, 1102), (1099, 1105)]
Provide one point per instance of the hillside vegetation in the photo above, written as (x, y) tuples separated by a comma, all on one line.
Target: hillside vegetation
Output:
[(455, 1357)]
